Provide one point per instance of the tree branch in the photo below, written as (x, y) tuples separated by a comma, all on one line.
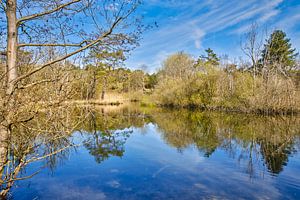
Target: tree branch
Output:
[(22, 178), (52, 45), (37, 15), (34, 159), (37, 83), (70, 54)]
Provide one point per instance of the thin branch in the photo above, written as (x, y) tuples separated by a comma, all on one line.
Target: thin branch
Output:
[(52, 45), (70, 54), (21, 178), (27, 120), (34, 159), (37, 15), (37, 83)]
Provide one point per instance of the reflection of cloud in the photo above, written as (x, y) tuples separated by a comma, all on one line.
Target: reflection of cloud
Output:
[(152, 167), (200, 186), (159, 171), (212, 178), (188, 160), (68, 191), (238, 182), (114, 184), (114, 171)]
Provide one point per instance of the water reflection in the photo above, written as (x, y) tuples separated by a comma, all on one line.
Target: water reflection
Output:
[(256, 144), (103, 145), (251, 138), (46, 138)]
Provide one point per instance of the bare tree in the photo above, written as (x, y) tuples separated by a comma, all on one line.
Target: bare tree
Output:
[(51, 32), (252, 47), (60, 24)]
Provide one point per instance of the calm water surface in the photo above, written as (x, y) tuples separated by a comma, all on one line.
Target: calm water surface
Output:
[(168, 154)]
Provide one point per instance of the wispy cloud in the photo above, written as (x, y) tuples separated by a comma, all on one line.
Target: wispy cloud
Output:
[(189, 25), (198, 35)]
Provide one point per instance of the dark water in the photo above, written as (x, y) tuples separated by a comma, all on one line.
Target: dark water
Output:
[(169, 154)]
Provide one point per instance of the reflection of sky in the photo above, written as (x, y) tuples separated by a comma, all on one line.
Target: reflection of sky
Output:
[(150, 168)]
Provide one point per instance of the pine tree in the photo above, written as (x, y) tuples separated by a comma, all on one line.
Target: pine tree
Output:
[(278, 52), (211, 58)]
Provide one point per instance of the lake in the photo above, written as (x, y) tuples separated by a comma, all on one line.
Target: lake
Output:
[(143, 153)]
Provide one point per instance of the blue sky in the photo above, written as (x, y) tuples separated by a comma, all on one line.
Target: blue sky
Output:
[(194, 25)]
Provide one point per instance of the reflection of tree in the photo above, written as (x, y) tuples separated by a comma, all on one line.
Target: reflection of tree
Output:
[(45, 137), (276, 155), (205, 138), (277, 141), (103, 145), (48, 138), (109, 131), (253, 138), (122, 118), (184, 128), (249, 139)]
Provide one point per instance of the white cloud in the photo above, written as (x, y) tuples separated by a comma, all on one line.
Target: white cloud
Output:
[(197, 21), (198, 34)]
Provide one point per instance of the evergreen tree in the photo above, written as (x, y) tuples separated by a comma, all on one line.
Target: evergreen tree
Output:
[(278, 52), (211, 58)]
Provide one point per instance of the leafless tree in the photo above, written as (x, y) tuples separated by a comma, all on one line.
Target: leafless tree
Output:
[(252, 47), (60, 24), (50, 32)]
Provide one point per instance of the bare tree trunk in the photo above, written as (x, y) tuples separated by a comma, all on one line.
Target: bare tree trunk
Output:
[(11, 70), (4, 133), (12, 44), (254, 63)]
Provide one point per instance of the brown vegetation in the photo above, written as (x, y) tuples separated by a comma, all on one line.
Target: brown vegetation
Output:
[(269, 85)]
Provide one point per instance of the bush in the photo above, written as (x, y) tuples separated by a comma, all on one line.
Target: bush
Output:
[(212, 88)]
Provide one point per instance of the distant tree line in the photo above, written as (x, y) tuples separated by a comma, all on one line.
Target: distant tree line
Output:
[(96, 82)]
